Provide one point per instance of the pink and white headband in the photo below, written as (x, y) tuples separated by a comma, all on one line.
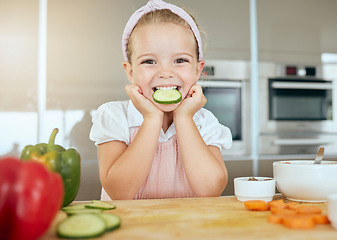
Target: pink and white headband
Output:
[(154, 5)]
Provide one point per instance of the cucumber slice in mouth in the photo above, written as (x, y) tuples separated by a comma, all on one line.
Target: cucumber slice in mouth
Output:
[(170, 96)]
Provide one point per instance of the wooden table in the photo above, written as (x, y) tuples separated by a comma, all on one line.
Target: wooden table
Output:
[(198, 218)]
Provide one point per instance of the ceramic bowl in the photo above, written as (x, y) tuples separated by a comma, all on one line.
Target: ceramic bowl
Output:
[(304, 181), (261, 188)]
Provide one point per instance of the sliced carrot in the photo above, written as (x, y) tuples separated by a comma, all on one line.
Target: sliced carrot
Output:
[(277, 204), (290, 214), (278, 201), (321, 219), (291, 205), (299, 222), (304, 209), (282, 211), (273, 218), (281, 204), (256, 205)]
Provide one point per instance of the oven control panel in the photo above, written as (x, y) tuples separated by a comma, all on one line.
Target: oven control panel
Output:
[(299, 71)]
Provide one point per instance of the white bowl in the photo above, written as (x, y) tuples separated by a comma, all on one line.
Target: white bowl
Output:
[(263, 189), (304, 181)]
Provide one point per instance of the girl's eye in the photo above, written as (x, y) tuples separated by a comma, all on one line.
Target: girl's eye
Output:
[(148, 61), (181, 60)]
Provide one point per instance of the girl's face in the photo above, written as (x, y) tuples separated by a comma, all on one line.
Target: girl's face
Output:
[(164, 55)]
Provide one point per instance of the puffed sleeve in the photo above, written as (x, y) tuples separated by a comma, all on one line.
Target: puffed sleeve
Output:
[(110, 123), (213, 132)]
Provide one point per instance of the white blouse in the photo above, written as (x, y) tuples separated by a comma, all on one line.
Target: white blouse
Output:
[(114, 120)]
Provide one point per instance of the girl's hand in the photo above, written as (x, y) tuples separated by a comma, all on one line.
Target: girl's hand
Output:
[(141, 103), (193, 102)]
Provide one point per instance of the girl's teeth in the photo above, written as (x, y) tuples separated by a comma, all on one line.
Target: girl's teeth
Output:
[(166, 88)]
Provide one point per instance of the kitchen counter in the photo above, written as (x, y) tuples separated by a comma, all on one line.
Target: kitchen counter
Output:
[(198, 218)]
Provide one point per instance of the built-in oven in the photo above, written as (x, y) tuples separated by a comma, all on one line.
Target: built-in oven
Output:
[(227, 90), (226, 99), (297, 113)]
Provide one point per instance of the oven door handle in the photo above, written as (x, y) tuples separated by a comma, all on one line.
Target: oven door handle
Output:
[(297, 142), (220, 84), (294, 85)]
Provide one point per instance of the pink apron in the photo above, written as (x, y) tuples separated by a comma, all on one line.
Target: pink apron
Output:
[(167, 177)]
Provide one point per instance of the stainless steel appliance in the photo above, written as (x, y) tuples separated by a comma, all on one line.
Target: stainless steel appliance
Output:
[(226, 87), (297, 111)]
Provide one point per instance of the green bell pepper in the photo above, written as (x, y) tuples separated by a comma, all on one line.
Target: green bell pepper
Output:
[(57, 159)]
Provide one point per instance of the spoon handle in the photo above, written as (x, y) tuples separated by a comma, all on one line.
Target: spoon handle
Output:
[(319, 155)]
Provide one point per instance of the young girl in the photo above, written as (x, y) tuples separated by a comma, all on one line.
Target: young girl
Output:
[(152, 150)]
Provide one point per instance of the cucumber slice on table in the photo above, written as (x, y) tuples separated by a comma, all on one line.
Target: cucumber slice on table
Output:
[(82, 211), (79, 209), (81, 226), (112, 221), (100, 205), (171, 96), (73, 207)]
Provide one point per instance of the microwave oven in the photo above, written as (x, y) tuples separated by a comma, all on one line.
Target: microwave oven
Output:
[(297, 113)]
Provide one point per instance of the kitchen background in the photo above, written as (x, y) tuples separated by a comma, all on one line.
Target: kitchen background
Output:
[(83, 68)]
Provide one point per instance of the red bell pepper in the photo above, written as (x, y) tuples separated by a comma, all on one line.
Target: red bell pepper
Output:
[(30, 197)]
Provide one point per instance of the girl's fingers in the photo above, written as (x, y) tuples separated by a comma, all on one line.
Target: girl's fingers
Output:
[(133, 90), (194, 89), (197, 88), (140, 90), (190, 92)]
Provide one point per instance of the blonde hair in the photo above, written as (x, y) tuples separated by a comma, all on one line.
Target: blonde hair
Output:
[(159, 16)]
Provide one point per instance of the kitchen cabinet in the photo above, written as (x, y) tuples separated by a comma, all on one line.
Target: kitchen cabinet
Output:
[(296, 31), (18, 55), (225, 25)]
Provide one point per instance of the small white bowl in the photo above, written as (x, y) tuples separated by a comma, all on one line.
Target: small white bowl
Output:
[(304, 181), (263, 189)]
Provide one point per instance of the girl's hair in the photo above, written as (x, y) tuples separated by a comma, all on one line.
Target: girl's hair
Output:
[(159, 16)]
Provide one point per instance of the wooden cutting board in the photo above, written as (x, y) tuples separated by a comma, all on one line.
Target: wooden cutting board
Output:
[(198, 218)]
